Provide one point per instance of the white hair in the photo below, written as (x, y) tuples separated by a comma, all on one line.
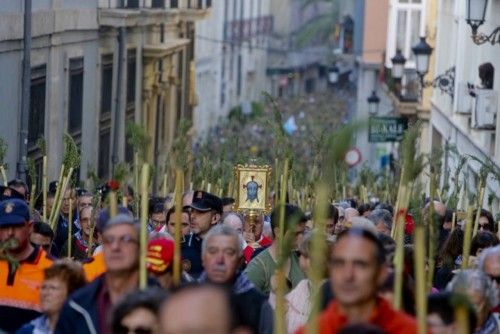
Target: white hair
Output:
[(477, 280), (362, 222), (221, 229)]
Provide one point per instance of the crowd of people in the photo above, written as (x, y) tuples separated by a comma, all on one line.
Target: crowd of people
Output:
[(82, 275)]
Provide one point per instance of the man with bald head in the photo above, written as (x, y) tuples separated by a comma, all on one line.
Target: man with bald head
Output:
[(196, 309)]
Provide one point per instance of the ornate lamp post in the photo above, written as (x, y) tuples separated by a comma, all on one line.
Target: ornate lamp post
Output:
[(398, 65), (373, 102), (476, 12)]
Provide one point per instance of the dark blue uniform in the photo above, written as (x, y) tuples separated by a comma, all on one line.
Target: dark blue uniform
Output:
[(191, 255)]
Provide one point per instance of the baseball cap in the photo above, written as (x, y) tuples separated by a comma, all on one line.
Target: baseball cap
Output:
[(160, 255), (14, 212), (203, 201)]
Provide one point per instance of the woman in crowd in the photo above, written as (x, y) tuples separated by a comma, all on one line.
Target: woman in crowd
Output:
[(138, 312), (450, 258), (299, 299), (481, 292), (481, 241), (60, 280)]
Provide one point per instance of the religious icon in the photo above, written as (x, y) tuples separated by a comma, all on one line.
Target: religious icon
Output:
[(252, 188)]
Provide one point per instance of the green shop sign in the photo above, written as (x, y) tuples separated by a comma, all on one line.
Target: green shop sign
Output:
[(386, 129)]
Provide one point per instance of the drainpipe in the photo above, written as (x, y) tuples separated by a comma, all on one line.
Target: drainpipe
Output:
[(25, 97), (159, 102), (119, 100)]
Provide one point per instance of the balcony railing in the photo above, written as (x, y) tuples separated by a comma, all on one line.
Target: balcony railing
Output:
[(160, 4)]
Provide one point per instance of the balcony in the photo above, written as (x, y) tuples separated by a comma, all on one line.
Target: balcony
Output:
[(128, 13), (404, 94)]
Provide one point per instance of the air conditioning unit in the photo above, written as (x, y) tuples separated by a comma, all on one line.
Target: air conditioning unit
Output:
[(464, 98), (485, 109)]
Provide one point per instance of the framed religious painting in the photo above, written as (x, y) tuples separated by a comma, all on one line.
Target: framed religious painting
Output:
[(252, 190)]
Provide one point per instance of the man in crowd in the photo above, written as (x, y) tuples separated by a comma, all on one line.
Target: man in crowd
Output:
[(357, 269), (331, 219), (206, 210), (88, 309), (62, 227), (222, 256), (42, 236), (157, 217), (20, 187), (262, 268), (256, 241), (80, 240), (227, 204), (382, 220), (196, 309), (84, 199), (9, 191), (19, 285)]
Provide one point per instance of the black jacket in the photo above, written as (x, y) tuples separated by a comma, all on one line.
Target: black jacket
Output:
[(79, 313), (250, 308)]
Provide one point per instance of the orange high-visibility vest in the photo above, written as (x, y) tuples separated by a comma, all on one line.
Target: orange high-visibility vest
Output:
[(22, 288), (95, 267)]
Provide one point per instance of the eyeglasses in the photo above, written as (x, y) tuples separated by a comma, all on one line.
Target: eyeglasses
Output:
[(182, 224), (496, 279), (485, 226), (138, 330), (124, 239)]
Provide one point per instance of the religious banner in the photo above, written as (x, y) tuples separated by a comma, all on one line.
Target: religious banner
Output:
[(252, 188)]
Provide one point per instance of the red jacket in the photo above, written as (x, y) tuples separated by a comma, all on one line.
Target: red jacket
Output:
[(384, 316)]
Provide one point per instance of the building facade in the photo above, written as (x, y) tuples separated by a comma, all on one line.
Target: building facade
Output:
[(297, 63), (231, 55), (468, 118), (371, 19), (96, 65)]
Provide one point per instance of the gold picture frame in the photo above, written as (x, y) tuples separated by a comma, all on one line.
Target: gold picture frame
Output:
[(252, 189)]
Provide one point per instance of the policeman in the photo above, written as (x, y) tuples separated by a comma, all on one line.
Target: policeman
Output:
[(206, 210), (21, 266)]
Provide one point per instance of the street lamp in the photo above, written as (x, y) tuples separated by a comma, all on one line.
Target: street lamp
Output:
[(373, 101), (398, 65), (422, 53), (333, 74), (476, 12)]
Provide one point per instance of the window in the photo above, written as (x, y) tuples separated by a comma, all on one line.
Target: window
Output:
[(36, 126), (75, 96), (130, 110), (104, 145), (158, 4), (130, 3), (105, 118), (405, 26), (131, 66), (106, 84)]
